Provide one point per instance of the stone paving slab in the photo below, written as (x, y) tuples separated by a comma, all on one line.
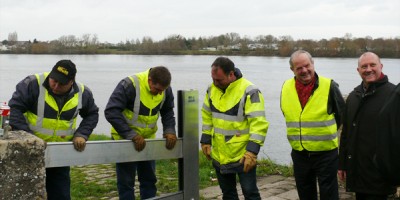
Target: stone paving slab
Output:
[(274, 187)]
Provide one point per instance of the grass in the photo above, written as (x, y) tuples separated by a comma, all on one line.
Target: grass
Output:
[(97, 137), (99, 181), (85, 185)]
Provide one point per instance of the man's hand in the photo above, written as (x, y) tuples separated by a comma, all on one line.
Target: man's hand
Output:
[(206, 148), (170, 140), (249, 160), (139, 142), (342, 175), (79, 143)]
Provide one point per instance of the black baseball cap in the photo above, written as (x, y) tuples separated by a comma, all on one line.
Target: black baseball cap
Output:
[(63, 71)]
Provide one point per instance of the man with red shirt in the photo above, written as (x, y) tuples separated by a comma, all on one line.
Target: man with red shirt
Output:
[(312, 106)]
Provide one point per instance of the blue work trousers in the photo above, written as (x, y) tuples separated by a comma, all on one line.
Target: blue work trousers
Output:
[(58, 183), (310, 167), (248, 182), (126, 173)]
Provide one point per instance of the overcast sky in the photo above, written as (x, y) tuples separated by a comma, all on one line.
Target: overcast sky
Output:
[(120, 20)]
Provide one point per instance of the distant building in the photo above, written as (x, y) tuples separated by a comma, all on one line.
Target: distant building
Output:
[(4, 47), (209, 49)]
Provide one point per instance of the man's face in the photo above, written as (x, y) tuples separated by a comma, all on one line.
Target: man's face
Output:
[(303, 68), (58, 88), (369, 68), (156, 89), (220, 79)]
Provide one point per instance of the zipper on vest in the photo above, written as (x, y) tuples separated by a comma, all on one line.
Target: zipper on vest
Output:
[(300, 127), (58, 120)]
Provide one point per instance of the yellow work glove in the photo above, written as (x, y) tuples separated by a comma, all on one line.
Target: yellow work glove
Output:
[(249, 160), (206, 148), (79, 143), (170, 140), (139, 142)]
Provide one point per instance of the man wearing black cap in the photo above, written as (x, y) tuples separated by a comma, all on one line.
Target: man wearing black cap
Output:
[(47, 106)]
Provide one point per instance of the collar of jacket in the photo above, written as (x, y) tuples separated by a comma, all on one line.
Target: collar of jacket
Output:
[(316, 84), (371, 88), (71, 92)]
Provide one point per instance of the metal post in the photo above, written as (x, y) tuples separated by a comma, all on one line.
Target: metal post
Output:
[(188, 129)]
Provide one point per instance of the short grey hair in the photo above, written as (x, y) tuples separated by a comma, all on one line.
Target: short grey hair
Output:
[(298, 52)]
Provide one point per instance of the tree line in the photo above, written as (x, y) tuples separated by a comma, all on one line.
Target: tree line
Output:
[(224, 44)]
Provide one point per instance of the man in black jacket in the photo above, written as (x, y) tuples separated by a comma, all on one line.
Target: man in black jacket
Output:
[(47, 105), (133, 111), (358, 138)]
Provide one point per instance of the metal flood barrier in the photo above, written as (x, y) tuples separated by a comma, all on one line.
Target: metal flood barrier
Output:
[(186, 150)]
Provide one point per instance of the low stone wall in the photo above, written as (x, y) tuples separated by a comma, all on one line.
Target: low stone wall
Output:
[(22, 166)]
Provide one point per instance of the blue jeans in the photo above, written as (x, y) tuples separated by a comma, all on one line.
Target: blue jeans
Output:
[(58, 183), (312, 167), (126, 173), (248, 182)]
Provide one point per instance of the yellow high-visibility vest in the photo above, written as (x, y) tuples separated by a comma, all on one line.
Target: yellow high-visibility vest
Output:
[(311, 128), (50, 123), (145, 126)]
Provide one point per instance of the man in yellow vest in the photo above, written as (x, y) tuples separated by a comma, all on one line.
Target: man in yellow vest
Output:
[(234, 128), (133, 110), (47, 105), (312, 106)]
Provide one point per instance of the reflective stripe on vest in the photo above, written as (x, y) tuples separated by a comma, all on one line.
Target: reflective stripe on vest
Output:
[(310, 124), (136, 107), (41, 107)]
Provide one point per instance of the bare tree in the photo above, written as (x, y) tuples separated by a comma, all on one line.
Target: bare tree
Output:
[(12, 38)]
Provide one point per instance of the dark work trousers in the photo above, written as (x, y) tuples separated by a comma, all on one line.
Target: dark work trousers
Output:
[(312, 167), (58, 183), (248, 182), (361, 196), (126, 173)]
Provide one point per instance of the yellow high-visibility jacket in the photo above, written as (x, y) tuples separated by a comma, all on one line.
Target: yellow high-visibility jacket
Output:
[(233, 118)]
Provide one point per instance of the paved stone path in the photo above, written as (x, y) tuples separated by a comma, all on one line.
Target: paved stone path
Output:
[(274, 187)]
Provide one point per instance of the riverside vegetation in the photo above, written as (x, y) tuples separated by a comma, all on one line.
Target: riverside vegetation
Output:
[(224, 44), (99, 181)]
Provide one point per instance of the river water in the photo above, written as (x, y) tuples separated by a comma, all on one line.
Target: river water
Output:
[(101, 73)]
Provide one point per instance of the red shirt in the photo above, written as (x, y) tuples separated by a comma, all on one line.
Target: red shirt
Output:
[(304, 91)]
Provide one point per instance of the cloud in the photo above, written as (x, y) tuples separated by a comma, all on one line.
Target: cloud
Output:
[(120, 20)]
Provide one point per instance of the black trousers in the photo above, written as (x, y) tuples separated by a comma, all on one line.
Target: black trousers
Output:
[(58, 183), (362, 196), (311, 168)]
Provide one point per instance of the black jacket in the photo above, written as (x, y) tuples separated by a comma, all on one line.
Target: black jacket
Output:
[(387, 156), (358, 138)]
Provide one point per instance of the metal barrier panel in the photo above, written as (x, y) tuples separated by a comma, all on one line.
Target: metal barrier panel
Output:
[(59, 154), (188, 128)]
